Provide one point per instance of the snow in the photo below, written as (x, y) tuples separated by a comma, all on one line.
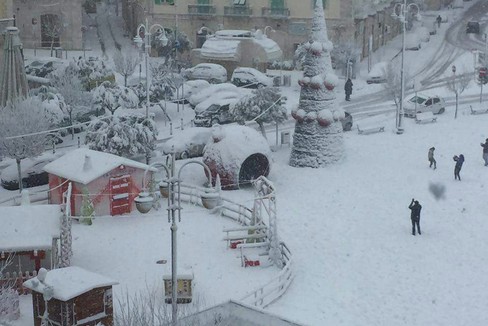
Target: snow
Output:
[(72, 165), (221, 48), (29, 227), (181, 141), (69, 282), (28, 165)]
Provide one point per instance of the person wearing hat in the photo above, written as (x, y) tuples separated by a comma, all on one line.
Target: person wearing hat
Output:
[(415, 208), (485, 151), (431, 158)]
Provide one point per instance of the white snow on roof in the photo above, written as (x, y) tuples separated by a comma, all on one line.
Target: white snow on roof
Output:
[(272, 49), (69, 282), (29, 227), (233, 33), (71, 165)]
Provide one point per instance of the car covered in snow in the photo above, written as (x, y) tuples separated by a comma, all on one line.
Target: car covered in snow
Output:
[(216, 91), (412, 42), (422, 103), (215, 111), (43, 67), (211, 72), (188, 143), (377, 74), (188, 88), (32, 172), (250, 78), (423, 33)]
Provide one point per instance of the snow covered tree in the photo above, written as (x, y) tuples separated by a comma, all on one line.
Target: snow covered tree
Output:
[(110, 96), (52, 103), (126, 64), (264, 105), (52, 28), (66, 240), (457, 84), (22, 118), (9, 297), (318, 138), (124, 135), (180, 44), (87, 208)]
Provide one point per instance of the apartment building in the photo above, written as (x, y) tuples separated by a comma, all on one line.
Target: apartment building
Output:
[(288, 20), (42, 22)]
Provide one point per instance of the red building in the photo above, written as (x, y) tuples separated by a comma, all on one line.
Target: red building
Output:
[(71, 296), (109, 181)]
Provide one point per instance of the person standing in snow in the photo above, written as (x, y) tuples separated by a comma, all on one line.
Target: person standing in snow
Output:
[(431, 158), (415, 209), (348, 89), (459, 164), (439, 20), (485, 151)]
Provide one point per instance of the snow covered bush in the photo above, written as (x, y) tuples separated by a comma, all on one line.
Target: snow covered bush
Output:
[(263, 105), (91, 72), (9, 298), (124, 135), (110, 96), (52, 103)]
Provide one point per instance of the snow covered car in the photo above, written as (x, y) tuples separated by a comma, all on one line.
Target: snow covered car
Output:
[(211, 72), (250, 77), (412, 42), (43, 67), (423, 33), (421, 103), (217, 91), (377, 74), (213, 112), (188, 88), (188, 143), (32, 170)]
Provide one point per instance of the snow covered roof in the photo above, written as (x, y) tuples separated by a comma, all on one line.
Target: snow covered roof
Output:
[(29, 227), (84, 165), (69, 282), (272, 49), (221, 48)]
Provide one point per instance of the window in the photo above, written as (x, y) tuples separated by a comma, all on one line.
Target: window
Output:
[(436, 100), (160, 2), (275, 4), (429, 102), (239, 2), (157, 2)]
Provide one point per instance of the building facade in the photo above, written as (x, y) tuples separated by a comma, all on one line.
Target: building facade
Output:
[(43, 23)]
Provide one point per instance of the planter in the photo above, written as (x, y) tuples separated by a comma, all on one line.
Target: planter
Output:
[(210, 200), (144, 202), (164, 189)]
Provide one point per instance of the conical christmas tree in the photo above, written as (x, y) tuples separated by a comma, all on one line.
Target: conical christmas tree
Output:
[(318, 139)]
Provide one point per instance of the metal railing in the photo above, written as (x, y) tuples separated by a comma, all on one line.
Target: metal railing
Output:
[(201, 10), (237, 11), (277, 13)]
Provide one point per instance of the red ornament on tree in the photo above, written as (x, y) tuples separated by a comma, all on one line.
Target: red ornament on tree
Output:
[(329, 86), (323, 122)]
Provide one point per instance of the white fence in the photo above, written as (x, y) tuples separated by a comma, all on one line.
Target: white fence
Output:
[(275, 288)]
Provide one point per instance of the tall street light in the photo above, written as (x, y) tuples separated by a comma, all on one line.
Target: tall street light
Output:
[(145, 31), (168, 188), (402, 16)]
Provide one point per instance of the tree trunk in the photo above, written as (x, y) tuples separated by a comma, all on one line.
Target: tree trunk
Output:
[(71, 124), (125, 80), (457, 103), (19, 174), (52, 47), (263, 131)]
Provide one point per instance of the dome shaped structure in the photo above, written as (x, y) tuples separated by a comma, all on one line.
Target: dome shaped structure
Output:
[(238, 154)]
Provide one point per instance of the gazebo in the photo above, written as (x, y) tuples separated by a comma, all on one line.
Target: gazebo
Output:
[(13, 80)]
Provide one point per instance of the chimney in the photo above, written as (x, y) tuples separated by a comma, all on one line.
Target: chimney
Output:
[(87, 165)]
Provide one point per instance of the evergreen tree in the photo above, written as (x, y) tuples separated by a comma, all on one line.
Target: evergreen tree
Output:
[(318, 139)]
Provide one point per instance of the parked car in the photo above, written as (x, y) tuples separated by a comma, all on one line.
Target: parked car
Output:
[(412, 42), (423, 33), (217, 91), (188, 143), (213, 112), (211, 72), (32, 170), (250, 77), (377, 74), (347, 122), (421, 103), (42, 67), (473, 27), (188, 88)]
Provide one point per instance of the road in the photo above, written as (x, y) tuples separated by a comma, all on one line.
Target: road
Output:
[(456, 43)]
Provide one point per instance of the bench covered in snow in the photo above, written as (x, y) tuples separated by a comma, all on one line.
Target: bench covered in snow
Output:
[(242, 234), (425, 117), (478, 110), (370, 130)]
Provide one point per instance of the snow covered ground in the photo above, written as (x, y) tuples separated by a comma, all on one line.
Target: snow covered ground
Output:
[(348, 227)]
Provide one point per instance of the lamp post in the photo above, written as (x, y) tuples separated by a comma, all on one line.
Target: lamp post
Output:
[(402, 16), (167, 188)]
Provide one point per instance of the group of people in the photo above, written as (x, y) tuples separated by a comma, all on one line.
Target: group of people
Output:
[(459, 159), (415, 206)]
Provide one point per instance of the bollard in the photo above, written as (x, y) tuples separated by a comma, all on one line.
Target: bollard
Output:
[(78, 141), (171, 128), (182, 127)]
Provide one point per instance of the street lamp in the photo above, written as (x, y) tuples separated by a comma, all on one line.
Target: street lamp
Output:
[(402, 16), (146, 42), (145, 201)]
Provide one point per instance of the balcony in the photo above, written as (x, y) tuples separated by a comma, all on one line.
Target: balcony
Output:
[(237, 11), (201, 10), (276, 13)]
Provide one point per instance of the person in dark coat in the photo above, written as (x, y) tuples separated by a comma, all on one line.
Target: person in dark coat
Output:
[(431, 158), (348, 89), (415, 209), (439, 20), (485, 151), (459, 164)]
